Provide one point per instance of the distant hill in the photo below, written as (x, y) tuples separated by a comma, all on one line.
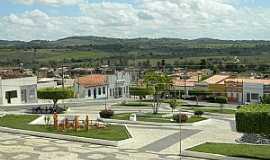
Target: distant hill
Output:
[(146, 46), (138, 42)]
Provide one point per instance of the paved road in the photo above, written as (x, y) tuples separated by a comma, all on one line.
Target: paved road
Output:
[(231, 106), (22, 147)]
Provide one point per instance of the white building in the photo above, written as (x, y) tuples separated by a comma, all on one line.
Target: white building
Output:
[(92, 87), (98, 86), (253, 92), (46, 83), (118, 84), (18, 90)]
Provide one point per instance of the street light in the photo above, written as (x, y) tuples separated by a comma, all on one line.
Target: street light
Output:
[(180, 139)]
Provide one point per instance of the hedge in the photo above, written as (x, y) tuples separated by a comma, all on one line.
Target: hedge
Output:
[(140, 91), (55, 94), (218, 99), (197, 92), (253, 119)]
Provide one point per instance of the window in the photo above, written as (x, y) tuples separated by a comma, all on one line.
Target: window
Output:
[(89, 93), (11, 94), (110, 92), (99, 91), (104, 90), (32, 92), (254, 96)]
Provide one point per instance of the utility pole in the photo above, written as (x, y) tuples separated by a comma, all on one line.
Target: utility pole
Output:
[(180, 134), (63, 85), (185, 80)]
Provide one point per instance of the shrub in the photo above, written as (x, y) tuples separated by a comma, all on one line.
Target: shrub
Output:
[(211, 99), (201, 92), (221, 99), (140, 91), (218, 99), (198, 113), (238, 107), (173, 103), (183, 118), (55, 94), (106, 113), (266, 99), (253, 119)]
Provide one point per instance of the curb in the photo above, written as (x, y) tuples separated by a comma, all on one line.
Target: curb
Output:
[(145, 123), (209, 156), (71, 138)]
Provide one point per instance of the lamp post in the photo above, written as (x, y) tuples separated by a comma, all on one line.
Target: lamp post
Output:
[(180, 139)]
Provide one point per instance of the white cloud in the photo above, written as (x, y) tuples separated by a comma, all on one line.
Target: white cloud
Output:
[(149, 18), (49, 2)]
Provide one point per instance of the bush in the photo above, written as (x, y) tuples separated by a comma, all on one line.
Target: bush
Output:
[(55, 94), (253, 119), (211, 99), (218, 99), (106, 113), (198, 113), (266, 99), (221, 99), (197, 92), (183, 117), (238, 107)]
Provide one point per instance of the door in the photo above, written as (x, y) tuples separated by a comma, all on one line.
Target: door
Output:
[(95, 93), (248, 97), (8, 98), (24, 97)]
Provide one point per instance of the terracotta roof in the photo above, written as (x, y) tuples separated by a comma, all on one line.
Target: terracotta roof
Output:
[(93, 80), (13, 73), (246, 80), (216, 79)]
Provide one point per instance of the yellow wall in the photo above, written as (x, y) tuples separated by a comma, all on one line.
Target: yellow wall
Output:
[(217, 88)]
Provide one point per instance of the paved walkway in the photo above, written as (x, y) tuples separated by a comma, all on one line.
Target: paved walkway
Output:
[(151, 142), (21, 147)]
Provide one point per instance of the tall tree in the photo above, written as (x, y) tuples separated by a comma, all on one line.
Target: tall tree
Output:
[(161, 83)]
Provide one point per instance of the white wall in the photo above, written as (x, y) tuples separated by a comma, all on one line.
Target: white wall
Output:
[(82, 92), (253, 88), (120, 80), (15, 85), (49, 84)]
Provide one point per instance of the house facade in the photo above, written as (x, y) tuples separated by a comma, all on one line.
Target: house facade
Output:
[(118, 84), (91, 87), (234, 90), (18, 90), (253, 92), (99, 86)]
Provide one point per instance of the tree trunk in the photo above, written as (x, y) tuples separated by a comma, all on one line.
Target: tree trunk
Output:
[(156, 104), (54, 103)]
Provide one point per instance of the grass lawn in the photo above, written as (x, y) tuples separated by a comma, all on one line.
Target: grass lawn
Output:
[(235, 150), (111, 132), (149, 117), (216, 110)]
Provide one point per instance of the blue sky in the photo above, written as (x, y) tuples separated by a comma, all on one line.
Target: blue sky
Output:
[(47, 19)]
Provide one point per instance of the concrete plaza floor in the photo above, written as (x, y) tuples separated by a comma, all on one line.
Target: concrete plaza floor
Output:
[(151, 142), (21, 147)]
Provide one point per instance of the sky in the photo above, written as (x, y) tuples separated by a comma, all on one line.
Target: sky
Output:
[(188, 19)]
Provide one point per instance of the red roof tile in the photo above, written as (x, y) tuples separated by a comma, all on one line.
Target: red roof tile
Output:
[(93, 80)]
